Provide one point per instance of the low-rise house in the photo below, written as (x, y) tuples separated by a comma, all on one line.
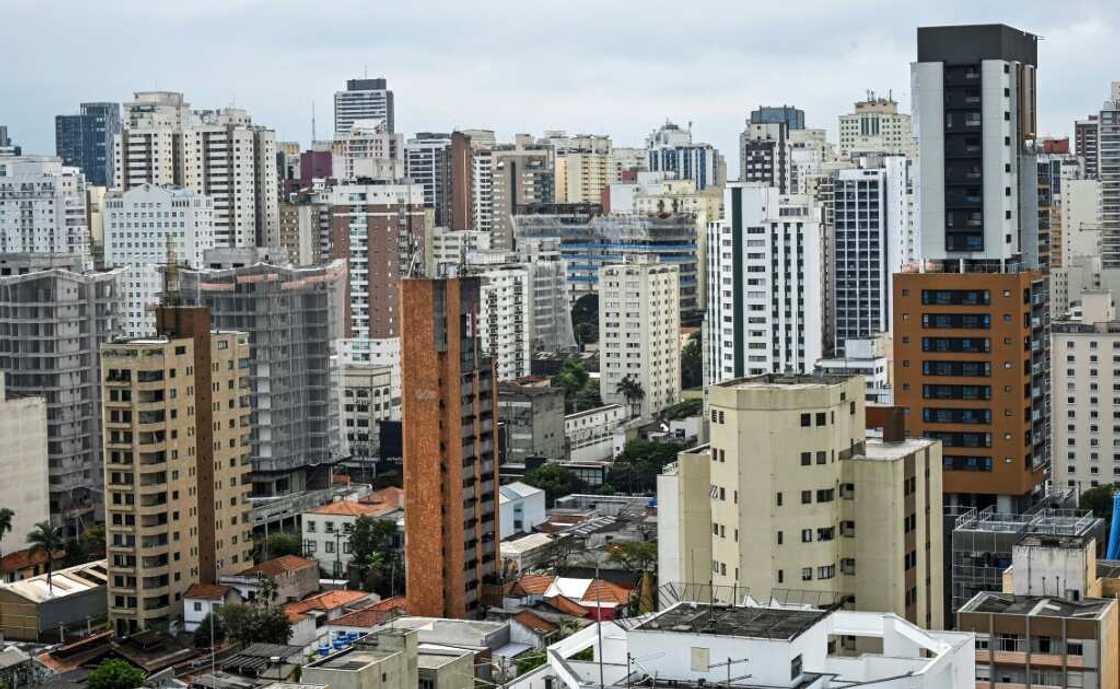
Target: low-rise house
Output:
[(308, 615), (528, 627), (18, 669), (201, 600), (23, 564), (591, 434), (292, 577), (592, 599), (392, 659), (326, 533), (521, 507), (527, 552), (33, 608)]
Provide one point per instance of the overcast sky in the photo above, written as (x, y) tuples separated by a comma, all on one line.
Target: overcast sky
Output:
[(617, 68)]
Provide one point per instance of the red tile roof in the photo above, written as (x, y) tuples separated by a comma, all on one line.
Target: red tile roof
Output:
[(532, 584), (25, 559), (385, 500), (207, 591), (280, 565), (347, 508), (393, 603), (330, 600), (368, 617), (535, 622), (606, 592), (567, 606)]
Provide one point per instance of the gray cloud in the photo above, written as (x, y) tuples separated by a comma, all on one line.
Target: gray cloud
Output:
[(617, 68)]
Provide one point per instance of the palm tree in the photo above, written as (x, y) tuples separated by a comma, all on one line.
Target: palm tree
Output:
[(47, 539), (5, 525), (631, 389)]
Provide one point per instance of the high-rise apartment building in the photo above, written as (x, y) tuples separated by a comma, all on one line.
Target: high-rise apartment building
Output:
[(85, 140), (146, 227), (582, 176), (791, 117), (368, 151), (765, 285), (873, 240), (427, 162), (764, 154), (43, 208), (379, 229), (218, 153), (522, 175), (1086, 369), (176, 444), (799, 497), (971, 341), (506, 318), (7, 148), (363, 99), (671, 150), (1085, 135), (639, 335), (366, 398), (450, 413), (876, 126), (1108, 172), (52, 321), (976, 118), (292, 317)]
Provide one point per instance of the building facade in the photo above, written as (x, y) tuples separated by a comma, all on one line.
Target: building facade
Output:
[(506, 318), (670, 150), (379, 229), (639, 334), (85, 140), (450, 415), (176, 444), (218, 153), (25, 464), (147, 227), (876, 126), (427, 162), (43, 208), (53, 321), (292, 316), (765, 285), (533, 418), (801, 499), (363, 99)]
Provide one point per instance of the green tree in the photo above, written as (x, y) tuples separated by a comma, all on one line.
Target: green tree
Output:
[(635, 470), (634, 557), (247, 624), (571, 378), (202, 634), (692, 363), (6, 516), (1099, 500), (279, 545), (631, 389), (45, 538), (554, 480), (115, 674)]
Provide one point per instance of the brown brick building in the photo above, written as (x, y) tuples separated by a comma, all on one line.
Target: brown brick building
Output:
[(971, 367), (450, 409)]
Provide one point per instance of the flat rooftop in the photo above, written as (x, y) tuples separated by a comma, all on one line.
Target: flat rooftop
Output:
[(354, 658), (875, 448), (784, 381), (1036, 606), (744, 622)]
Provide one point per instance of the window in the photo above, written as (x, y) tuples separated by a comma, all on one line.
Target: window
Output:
[(806, 497), (806, 458), (806, 574), (328, 547), (821, 418), (805, 420), (795, 667), (806, 535)]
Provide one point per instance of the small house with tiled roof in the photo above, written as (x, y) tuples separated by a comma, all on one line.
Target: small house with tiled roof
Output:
[(201, 600), (293, 577)]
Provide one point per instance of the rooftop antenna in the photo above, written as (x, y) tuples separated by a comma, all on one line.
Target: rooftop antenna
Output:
[(312, 124)]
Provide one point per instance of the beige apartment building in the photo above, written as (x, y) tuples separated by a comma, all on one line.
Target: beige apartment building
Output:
[(581, 177), (176, 443), (802, 499)]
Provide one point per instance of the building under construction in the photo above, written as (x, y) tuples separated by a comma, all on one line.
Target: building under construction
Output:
[(292, 315), (982, 540), (53, 320)]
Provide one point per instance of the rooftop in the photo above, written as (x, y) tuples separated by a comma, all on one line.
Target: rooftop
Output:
[(1108, 569), (875, 448), (280, 565), (65, 582), (752, 623), (330, 600), (348, 508), (207, 592), (1036, 606), (783, 381)]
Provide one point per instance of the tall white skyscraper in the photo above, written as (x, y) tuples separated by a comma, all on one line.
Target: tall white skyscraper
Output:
[(220, 153), (363, 99), (141, 225), (506, 318), (639, 334), (43, 208), (765, 285)]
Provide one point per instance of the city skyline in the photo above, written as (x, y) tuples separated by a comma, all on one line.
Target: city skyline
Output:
[(602, 74)]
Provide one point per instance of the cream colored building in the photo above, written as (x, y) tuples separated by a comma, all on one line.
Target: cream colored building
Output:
[(581, 177), (639, 334), (176, 448), (802, 499), (876, 126), (684, 518), (369, 151), (23, 466)]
